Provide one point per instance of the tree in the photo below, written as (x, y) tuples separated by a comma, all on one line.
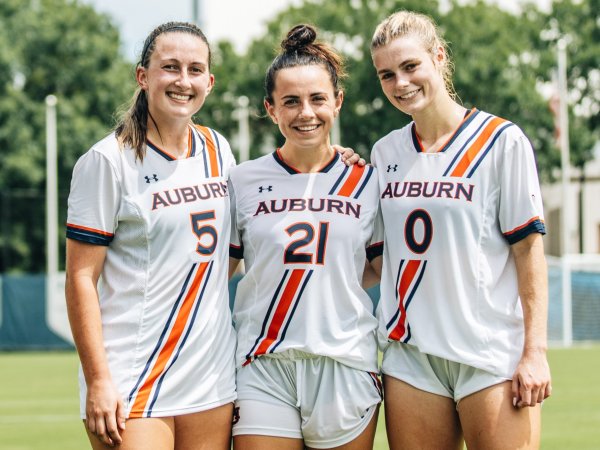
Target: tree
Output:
[(66, 49), (501, 61)]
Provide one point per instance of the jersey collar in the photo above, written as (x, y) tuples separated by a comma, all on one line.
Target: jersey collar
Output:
[(292, 170), (469, 116)]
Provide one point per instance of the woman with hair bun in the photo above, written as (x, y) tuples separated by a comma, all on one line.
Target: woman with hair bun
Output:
[(463, 309), (303, 223)]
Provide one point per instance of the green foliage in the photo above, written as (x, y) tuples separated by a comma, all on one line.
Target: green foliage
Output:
[(501, 61), (66, 49)]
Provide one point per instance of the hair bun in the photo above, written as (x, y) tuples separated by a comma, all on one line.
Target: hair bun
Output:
[(298, 37)]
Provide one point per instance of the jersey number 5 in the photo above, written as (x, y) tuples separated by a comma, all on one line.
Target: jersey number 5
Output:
[(206, 233), (307, 235)]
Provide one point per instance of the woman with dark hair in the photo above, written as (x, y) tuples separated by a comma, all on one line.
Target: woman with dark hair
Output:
[(148, 234), (302, 221)]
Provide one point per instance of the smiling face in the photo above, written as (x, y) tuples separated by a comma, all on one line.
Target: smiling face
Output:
[(304, 106), (411, 77), (177, 79)]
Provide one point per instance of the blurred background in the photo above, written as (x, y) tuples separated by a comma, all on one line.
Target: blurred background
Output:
[(67, 68)]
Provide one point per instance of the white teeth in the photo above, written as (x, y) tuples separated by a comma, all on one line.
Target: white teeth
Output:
[(308, 128), (179, 96), (409, 95)]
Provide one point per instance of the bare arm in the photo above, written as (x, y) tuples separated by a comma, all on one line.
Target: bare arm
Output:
[(233, 265), (105, 414), (531, 380)]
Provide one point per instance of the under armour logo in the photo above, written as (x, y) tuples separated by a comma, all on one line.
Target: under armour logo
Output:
[(149, 179), (394, 167), (265, 188)]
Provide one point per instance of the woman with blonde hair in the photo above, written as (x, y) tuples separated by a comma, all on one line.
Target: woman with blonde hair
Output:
[(463, 309)]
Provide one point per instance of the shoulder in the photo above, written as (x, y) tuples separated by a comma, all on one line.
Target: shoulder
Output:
[(252, 167), (106, 150), (393, 139)]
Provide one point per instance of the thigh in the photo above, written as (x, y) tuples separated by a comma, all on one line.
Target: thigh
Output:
[(416, 419), (204, 430), (147, 433), (365, 440), (490, 421)]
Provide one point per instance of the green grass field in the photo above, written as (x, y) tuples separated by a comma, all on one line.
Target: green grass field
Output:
[(39, 402)]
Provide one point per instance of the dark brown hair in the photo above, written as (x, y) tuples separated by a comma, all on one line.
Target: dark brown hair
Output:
[(299, 48), (133, 124)]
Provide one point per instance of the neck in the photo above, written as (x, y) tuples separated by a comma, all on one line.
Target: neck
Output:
[(307, 160), (172, 139), (439, 119)]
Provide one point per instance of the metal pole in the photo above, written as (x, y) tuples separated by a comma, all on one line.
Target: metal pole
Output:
[(566, 217), (242, 115), (51, 187)]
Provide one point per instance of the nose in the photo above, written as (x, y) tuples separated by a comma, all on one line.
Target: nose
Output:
[(183, 80), (401, 81), (306, 111)]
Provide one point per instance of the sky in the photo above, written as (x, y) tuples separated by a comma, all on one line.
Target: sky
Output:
[(236, 20)]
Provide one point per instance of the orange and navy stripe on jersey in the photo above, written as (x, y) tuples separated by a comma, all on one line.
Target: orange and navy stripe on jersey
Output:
[(476, 147), (352, 181), (172, 340), (280, 312), (407, 282), (89, 235), (534, 225), (213, 162)]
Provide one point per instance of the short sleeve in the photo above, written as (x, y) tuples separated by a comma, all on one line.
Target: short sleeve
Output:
[(236, 247), (94, 200), (520, 208), (375, 245)]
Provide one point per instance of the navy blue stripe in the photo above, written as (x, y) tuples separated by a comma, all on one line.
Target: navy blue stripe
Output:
[(88, 236), (415, 286), (191, 322), (338, 181), (389, 324), (537, 226), (489, 147), (466, 144), (205, 158), (193, 152), (218, 149), (362, 186), (282, 163), (164, 332), (464, 125), (415, 139), (310, 272), (409, 334), (375, 250), (159, 151), (264, 325), (236, 252)]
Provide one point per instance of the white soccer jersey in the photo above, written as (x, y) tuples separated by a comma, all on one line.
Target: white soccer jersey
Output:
[(304, 238), (449, 284), (163, 292)]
